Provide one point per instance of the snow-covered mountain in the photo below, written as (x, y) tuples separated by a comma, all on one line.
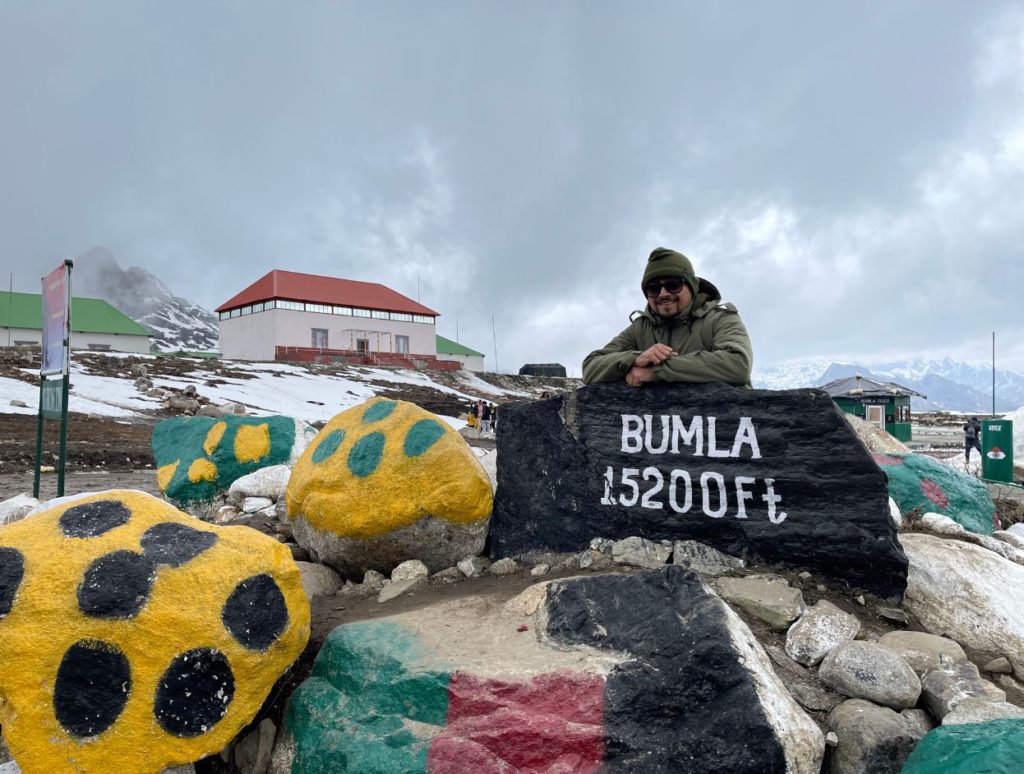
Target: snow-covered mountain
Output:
[(949, 384), (176, 323)]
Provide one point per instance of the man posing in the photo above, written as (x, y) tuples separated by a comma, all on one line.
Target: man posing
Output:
[(684, 335)]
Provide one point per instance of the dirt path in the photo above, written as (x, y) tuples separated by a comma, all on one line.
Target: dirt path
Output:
[(78, 481)]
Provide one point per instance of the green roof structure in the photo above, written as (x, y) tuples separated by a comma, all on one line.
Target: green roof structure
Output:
[(88, 315), (449, 347)]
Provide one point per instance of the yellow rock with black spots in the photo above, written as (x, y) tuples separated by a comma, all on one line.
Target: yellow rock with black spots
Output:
[(134, 637), (387, 481)]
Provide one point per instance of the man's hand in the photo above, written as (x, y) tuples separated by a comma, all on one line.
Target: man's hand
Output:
[(653, 356), (639, 375)]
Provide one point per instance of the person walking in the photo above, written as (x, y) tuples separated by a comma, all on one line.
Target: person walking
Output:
[(972, 438), (486, 424)]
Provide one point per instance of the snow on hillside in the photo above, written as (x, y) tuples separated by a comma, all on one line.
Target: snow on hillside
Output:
[(273, 388)]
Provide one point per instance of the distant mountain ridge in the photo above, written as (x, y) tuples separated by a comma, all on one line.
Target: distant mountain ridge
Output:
[(950, 385), (176, 323)]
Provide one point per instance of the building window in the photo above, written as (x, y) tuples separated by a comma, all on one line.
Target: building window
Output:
[(99, 347), (322, 308), (270, 305), (246, 310), (378, 315), (360, 312), (346, 310), (225, 315), (257, 307), (296, 305), (362, 346), (401, 316), (319, 338), (402, 345), (422, 318), (236, 312)]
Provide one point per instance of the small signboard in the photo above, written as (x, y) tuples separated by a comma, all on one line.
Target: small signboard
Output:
[(997, 450), (53, 399), (56, 320)]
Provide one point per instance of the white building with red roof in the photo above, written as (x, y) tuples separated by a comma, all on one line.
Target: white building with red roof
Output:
[(286, 315)]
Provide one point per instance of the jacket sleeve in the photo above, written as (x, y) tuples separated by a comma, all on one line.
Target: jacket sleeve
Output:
[(729, 360), (613, 360)]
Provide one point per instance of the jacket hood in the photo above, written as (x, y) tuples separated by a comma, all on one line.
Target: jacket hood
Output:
[(706, 299)]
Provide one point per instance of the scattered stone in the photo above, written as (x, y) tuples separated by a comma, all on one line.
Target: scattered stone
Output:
[(1013, 688), (704, 559), (968, 594), (866, 670), (924, 652), (810, 695), (941, 524), (861, 601), (996, 746), (594, 560), (506, 566), (254, 504), (603, 545), (893, 614), (411, 568), (805, 575), (133, 637), (387, 481), (943, 689), (226, 513), (252, 753), (822, 587), (269, 482), (397, 588), (894, 512), (745, 478), (1001, 666), (17, 508), (1010, 538), (820, 629), (768, 598), (920, 719), (373, 580), (980, 711), (640, 552), (539, 570), (872, 739), (318, 580), (448, 575), (473, 566), (18, 403), (831, 740)]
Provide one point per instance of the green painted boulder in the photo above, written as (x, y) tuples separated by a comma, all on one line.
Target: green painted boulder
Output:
[(922, 483), (995, 747), (199, 457)]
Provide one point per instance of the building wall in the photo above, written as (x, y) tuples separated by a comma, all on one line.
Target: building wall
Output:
[(468, 362), (254, 336), (115, 342)]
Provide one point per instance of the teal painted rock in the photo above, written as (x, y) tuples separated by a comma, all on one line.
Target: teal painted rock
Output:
[(199, 457), (919, 482), (995, 747)]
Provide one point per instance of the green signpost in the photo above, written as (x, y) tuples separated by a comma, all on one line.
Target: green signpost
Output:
[(997, 450), (55, 360)]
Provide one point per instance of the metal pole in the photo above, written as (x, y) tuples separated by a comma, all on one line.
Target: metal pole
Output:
[(39, 439), (63, 434), (495, 337), (10, 306), (993, 374)]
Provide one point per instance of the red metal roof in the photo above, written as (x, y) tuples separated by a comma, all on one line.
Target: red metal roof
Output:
[(293, 286)]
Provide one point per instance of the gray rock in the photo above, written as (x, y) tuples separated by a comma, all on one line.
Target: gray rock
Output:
[(943, 689), (1000, 666), (539, 570), (1016, 529), (831, 739), (941, 524), (920, 719), (182, 403), (299, 554), (283, 756), (872, 739), (473, 566), (813, 697), (768, 598), (269, 482), (866, 670), (1013, 689), (18, 403), (373, 580), (318, 579), (252, 753), (254, 504), (704, 559), (397, 588), (894, 614), (448, 575), (981, 711), (640, 552), (604, 545), (17, 508), (408, 570), (591, 559), (924, 652), (820, 629), (506, 566)]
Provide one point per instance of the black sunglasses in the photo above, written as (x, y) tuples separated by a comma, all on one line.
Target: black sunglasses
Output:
[(672, 285)]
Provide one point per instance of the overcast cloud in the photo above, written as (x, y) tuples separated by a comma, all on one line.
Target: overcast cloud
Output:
[(850, 175)]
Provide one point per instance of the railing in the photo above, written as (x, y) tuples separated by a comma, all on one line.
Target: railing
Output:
[(356, 357)]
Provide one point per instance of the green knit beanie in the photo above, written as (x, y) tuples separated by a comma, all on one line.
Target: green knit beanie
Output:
[(668, 263)]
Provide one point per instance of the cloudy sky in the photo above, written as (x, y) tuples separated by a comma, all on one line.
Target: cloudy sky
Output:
[(850, 175)]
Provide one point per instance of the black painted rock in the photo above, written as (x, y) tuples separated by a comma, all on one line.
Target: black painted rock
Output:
[(763, 475)]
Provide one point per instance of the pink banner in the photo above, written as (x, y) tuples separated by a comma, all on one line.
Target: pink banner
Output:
[(56, 320)]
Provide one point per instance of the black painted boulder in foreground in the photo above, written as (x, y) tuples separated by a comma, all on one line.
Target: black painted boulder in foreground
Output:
[(699, 693), (768, 476)]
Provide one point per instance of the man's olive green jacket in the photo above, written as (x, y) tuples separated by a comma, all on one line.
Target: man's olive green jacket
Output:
[(710, 338)]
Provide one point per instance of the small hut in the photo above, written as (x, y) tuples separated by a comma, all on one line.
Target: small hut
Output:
[(885, 404)]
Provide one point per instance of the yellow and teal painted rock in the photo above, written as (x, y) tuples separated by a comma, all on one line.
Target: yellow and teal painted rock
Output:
[(198, 457), (134, 637), (387, 481)]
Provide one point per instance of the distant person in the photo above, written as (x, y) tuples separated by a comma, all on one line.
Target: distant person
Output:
[(685, 333), (485, 423), (494, 417), (972, 438)]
